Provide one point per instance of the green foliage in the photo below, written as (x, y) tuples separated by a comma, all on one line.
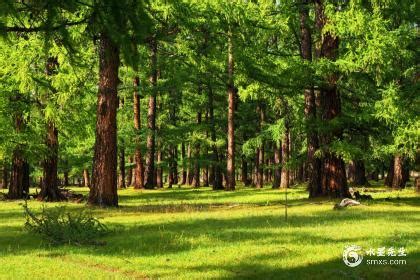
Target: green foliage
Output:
[(376, 65), (60, 226)]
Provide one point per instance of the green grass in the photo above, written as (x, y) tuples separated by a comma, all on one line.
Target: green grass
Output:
[(203, 234)]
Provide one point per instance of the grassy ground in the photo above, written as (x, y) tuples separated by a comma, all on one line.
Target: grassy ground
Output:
[(203, 234)]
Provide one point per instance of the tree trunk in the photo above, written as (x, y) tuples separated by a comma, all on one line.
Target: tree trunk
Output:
[(333, 174), (374, 175), (129, 179), (189, 170), (104, 176), (138, 159), (260, 171), (300, 174), (196, 176), (216, 178), (244, 173), (16, 182), (267, 171), (121, 183), (151, 118), (159, 169), (184, 162), (16, 188), (49, 190), (399, 180), (206, 174), (173, 155), (121, 151), (172, 167), (206, 155), (417, 184), (277, 168), (390, 176), (313, 163), (359, 173), (66, 181), (230, 156), (260, 151), (86, 179), (26, 177), (285, 174), (5, 177), (334, 182), (176, 179)]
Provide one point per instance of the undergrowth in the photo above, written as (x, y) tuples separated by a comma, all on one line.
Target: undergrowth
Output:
[(59, 226)]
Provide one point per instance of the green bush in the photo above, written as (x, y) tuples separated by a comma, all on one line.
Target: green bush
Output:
[(59, 226)]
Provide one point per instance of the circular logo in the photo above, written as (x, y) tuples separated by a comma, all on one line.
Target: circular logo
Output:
[(351, 256)]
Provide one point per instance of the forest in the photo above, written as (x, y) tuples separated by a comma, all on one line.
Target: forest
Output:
[(179, 114)]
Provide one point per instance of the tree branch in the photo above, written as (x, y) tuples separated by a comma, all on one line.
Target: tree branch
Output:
[(42, 27)]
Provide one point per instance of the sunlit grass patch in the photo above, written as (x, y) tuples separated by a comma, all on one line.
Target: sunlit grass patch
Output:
[(199, 233)]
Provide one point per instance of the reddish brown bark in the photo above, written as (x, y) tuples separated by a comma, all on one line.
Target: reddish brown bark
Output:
[(86, 178), (358, 173), (184, 162), (172, 176), (151, 118), (285, 174), (244, 172), (230, 156), (390, 176), (129, 177), (206, 155), (5, 176), (399, 179), (277, 168), (16, 189), (260, 150), (159, 169), (313, 163), (196, 172), (104, 176), (172, 160), (189, 167), (49, 189), (138, 159), (333, 175), (121, 181), (18, 184), (267, 170), (206, 173)]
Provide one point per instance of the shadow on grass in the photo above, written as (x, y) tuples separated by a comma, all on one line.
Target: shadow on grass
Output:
[(174, 236), (200, 193), (169, 237), (253, 268)]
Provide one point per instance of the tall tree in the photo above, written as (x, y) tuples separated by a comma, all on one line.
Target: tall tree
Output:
[(19, 171), (104, 176), (49, 188), (313, 163), (138, 159), (151, 117), (230, 156), (334, 182)]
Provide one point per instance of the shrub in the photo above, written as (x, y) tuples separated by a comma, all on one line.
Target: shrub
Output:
[(59, 226)]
